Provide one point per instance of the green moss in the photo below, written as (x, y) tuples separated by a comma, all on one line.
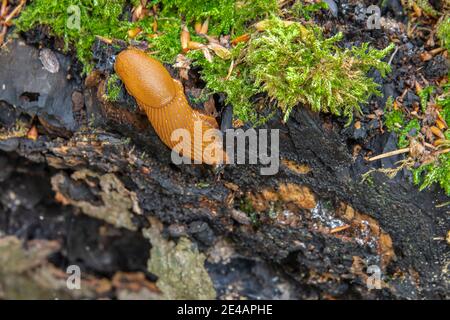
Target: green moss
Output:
[(393, 119), (202, 185), (424, 5), (368, 179), (237, 85), (302, 10), (226, 16), (443, 32), (97, 17), (113, 87), (444, 102), (165, 45), (427, 7), (293, 64), (412, 129), (436, 172), (103, 18), (107, 18), (297, 64), (251, 11), (246, 206), (425, 96)]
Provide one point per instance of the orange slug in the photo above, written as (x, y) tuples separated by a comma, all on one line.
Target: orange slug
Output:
[(162, 98)]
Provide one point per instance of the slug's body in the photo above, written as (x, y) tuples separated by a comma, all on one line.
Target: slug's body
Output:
[(162, 99)]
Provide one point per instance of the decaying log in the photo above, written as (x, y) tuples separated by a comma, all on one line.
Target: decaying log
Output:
[(315, 226)]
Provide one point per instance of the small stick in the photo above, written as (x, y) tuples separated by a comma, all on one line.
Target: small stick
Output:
[(230, 70), (429, 145), (436, 51), (392, 56), (13, 13), (3, 34), (3, 9), (440, 205), (443, 151), (103, 39), (340, 228), (389, 154)]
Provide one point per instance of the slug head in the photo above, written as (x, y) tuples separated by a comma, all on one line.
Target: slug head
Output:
[(145, 78)]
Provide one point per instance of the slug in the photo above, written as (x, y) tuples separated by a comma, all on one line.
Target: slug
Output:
[(162, 98)]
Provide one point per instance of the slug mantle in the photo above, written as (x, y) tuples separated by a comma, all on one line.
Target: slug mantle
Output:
[(162, 98)]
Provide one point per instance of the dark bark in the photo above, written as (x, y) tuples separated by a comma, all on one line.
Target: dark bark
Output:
[(287, 232)]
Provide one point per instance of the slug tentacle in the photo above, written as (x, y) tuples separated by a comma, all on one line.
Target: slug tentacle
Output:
[(162, 99)]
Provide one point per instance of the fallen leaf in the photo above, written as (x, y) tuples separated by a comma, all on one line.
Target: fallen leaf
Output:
[(220, 51), (32, 133)]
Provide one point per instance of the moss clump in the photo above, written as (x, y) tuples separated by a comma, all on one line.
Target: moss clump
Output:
[(294, 64), (291, 63), (108, 19), (422, 4), (237, 85), (393, 119), (410, 130), (97, 17), (444, 102), (246, 206), (226, 16), (436, 172), (425, 95), (443, 32), (113, 88), (302, 10), (297, 64), (439, 170)]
